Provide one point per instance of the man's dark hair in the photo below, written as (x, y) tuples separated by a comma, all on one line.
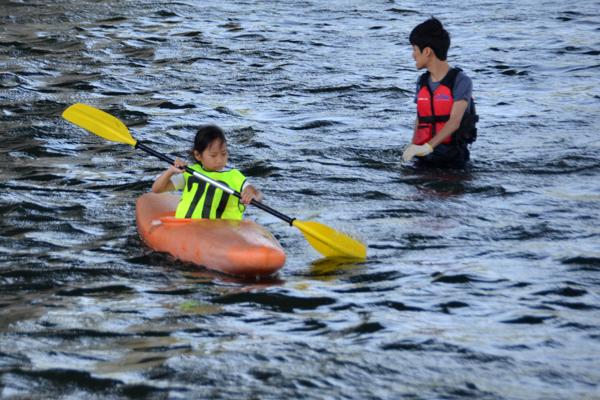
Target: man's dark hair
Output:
[(431, 34)]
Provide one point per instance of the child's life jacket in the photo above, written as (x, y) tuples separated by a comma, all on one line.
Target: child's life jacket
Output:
[(434, 110), (202, 200)]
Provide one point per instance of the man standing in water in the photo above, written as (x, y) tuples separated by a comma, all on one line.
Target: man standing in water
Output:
[(446, 118)]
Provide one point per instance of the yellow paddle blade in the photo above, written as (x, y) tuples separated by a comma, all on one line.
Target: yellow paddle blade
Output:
[(98, 122), (330, 242)]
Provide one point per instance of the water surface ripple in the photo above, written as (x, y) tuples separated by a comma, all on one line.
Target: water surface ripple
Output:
[(481, 283)]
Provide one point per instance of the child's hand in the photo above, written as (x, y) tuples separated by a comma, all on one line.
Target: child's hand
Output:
[(177, 167), (250, 193)]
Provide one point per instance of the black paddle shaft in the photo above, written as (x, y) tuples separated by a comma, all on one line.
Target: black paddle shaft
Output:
[(255, 203)]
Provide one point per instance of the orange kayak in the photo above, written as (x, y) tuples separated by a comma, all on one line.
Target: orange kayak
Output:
[(235, 247)]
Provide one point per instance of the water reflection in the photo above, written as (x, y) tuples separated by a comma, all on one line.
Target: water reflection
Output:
[(229, 282), (331, 268)]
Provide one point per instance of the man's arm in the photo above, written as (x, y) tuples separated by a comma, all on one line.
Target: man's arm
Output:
[(458, 110), (415, 130)]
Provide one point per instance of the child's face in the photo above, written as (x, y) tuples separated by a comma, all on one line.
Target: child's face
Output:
[(420, 57), (214, 157)]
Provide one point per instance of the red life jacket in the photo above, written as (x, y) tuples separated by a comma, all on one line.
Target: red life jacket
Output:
[(434, 111)]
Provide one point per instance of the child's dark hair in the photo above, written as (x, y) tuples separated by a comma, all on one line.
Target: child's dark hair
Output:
[(431, 34), (206, 136)]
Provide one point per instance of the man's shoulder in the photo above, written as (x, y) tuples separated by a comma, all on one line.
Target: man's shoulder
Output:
[(462, 75), (462, 79), (463, 86)]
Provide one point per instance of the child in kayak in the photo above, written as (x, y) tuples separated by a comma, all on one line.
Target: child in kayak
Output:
[(446, 117), (200, 199)]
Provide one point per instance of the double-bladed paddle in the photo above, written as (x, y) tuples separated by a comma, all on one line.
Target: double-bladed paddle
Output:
[(324, 239)]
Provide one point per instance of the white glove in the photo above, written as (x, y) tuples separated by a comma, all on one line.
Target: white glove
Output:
[(414, 150)]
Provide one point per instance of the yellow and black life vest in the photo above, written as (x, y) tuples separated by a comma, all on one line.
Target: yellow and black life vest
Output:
[(202, 200)]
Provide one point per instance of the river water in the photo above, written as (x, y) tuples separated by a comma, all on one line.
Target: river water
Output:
[(479, 283)]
